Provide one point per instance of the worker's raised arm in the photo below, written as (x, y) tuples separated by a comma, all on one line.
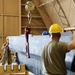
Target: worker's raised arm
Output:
[(71, 45)]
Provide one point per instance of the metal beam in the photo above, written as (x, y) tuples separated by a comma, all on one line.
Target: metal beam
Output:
[(43, 13)]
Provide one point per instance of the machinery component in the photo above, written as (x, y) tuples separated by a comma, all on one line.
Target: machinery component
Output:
[(34, 63), (29, 6)]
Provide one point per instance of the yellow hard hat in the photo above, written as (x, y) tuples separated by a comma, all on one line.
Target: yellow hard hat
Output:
[(7, 38), (55, 28)]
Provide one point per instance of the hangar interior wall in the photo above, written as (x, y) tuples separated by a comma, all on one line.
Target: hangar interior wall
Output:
[(9, 19), (13, 19)]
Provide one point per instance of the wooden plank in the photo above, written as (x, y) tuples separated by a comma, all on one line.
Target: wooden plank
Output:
[(1, 26), (11, 15), (1, 43), (11, 7), (14, 68), (11, 26), (8, 69), (21, 73), (19, 17), (2, 19), (0, 6), (1, 69), (22, 68), (32, 16), (35, 27)]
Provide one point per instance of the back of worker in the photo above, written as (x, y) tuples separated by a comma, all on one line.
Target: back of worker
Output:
[(54, 52), (54, 57)]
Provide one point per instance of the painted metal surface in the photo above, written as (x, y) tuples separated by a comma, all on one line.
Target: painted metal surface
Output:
[(34, 63)]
